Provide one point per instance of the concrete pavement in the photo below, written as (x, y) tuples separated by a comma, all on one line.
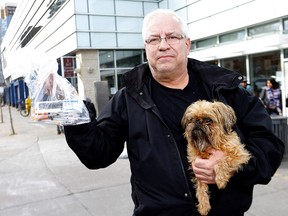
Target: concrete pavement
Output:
[(40, 175)]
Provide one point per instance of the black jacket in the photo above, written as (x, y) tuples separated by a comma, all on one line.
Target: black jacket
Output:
[(160, 181)]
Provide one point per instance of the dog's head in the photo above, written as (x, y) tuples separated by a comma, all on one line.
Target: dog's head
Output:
[(206, 122)]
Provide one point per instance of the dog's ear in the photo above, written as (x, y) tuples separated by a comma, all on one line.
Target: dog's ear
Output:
[(184, 120), (227, 115), (186, 117)]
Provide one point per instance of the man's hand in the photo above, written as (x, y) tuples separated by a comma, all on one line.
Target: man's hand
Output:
[(204, 168), (48, 85)]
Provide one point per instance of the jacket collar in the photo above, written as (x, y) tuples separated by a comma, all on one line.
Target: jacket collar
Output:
[(214, 78), (213, 75)]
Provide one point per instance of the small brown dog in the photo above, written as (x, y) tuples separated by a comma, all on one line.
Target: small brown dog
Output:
[(208, 125)]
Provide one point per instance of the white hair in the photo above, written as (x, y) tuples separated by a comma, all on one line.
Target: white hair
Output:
[(153, 14)]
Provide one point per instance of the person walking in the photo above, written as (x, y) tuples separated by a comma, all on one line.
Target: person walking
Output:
[(244, 84), (146, 115), (271, 97)]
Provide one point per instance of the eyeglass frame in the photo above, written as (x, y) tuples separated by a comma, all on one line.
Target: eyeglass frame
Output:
[(159, 39)]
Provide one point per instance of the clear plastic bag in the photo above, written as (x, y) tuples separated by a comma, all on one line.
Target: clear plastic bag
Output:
[(54, 99)]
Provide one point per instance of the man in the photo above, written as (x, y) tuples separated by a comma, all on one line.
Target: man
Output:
[(245, 85), (147, 114)]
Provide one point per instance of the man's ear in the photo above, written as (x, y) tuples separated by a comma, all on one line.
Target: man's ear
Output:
[(188, 45)]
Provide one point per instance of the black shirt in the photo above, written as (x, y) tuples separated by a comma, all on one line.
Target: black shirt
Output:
[(172, 104)]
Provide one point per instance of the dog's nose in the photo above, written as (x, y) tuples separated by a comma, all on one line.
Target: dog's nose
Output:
[(198, 123)]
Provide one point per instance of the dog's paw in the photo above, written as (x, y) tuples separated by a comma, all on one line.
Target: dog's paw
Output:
[(221, 184), (222, 180)]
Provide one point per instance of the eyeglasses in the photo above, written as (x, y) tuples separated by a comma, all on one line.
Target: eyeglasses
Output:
[(170, 39)]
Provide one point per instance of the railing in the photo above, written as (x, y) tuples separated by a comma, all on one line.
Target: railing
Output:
[(280, 128)]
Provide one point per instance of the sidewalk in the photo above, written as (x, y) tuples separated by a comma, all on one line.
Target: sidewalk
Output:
[(40, 175)]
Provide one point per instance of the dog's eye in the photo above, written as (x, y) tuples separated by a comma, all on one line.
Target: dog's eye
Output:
[(207, 121)]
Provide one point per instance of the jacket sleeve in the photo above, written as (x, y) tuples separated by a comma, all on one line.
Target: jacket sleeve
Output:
[(255, 129), (100, 142)]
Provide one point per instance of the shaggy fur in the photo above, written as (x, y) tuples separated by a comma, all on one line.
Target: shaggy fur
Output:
[(208, 125)]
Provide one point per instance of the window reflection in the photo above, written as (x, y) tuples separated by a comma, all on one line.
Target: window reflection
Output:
[(115, 63), (234, 36), (120, 80), (128, 58), (285, 53), (237, 64), (106, 59), (55, 7), (266, 28), (210, 42), (109, 76), (264, 66)]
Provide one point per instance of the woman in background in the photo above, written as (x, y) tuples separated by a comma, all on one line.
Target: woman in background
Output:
[(271, 97)]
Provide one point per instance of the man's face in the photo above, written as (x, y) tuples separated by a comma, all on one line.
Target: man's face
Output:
[(162, 57), (244, 84)]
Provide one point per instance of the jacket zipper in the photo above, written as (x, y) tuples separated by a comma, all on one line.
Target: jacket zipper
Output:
[(178, 153)]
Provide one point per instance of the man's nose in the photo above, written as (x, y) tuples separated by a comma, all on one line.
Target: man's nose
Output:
[(163, 44)]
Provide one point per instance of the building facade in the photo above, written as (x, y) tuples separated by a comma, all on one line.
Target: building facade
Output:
[(102, 38), (7, 11)]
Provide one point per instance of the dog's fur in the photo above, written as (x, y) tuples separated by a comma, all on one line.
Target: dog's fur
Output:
[(208, 125)]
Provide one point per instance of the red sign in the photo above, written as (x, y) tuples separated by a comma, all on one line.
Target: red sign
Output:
[(68, 67)]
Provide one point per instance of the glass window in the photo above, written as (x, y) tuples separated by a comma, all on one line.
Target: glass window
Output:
[(83, 39), (237, 64), (82, 22), (81, 6), (129, 40), (101, 6), (109, 76), (103, 40), (149, 6), (135, 24), (285, 26), (174, 5), (120, 80), (285, 53), (266, 28), (263, 66), (135, 8), (206, 42), (234, 36), (113, 73), (102, 23), (128, 58), (106, 59)]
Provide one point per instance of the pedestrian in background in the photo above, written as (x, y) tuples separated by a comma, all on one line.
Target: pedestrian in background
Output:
[(147, 113), (244, 84), (271, 97)]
